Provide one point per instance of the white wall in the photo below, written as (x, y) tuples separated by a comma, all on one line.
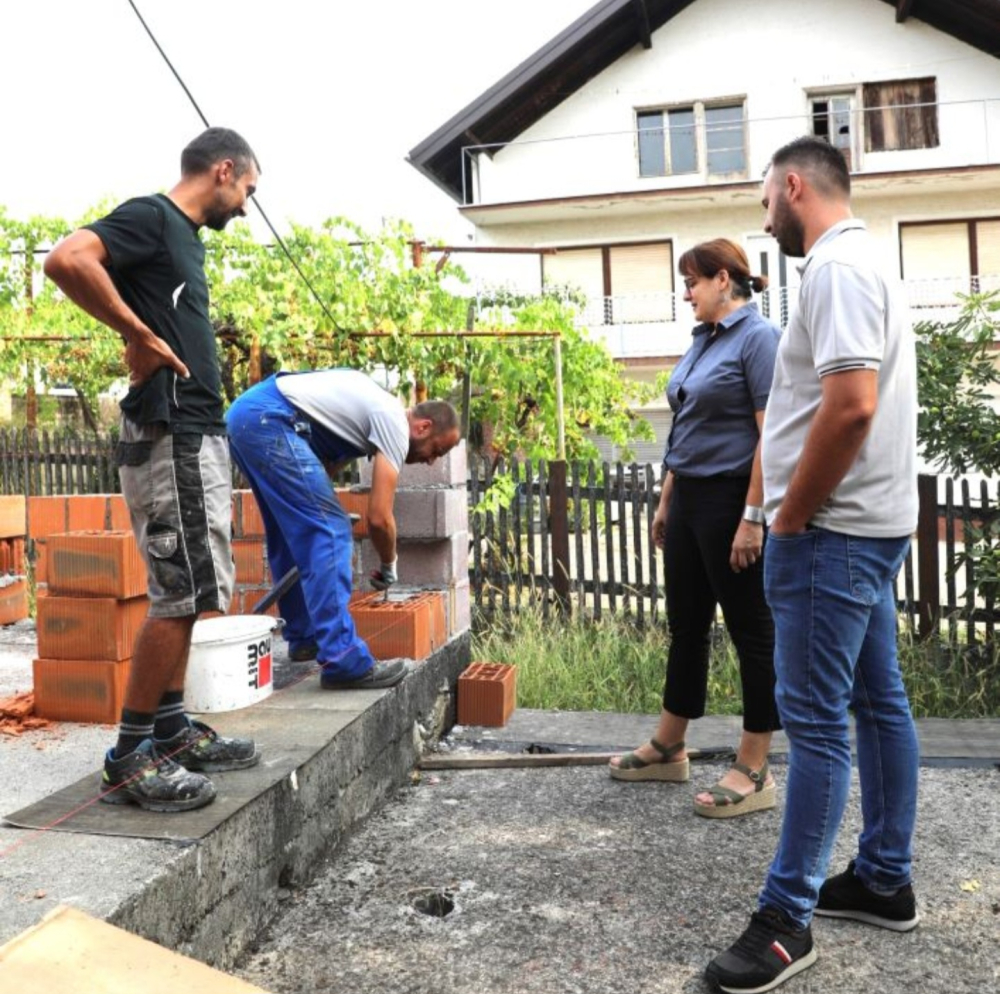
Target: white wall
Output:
[(772, 51), (741, 216)]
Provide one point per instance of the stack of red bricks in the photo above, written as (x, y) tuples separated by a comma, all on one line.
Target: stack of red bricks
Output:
[(432, 602), (13, 583), (253, 576), (91, 581), (49, 516), (89, 612)]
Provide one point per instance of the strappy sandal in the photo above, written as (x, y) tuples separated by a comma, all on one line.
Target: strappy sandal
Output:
[(728, 803), (631, 767)]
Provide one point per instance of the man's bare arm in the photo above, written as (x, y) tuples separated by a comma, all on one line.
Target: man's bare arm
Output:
[(381, 522), (78, 266)]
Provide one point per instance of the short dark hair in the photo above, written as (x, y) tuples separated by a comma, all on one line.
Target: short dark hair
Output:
[(440, 413), (826, 164), (709, 258), (213, 146)]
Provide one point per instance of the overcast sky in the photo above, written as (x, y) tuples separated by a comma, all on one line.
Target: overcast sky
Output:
[(332, 95)]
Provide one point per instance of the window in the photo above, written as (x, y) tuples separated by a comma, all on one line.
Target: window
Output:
[(832, 119), (943, 257), (901, 114), (698, 138), (724, 140), (624, 284)]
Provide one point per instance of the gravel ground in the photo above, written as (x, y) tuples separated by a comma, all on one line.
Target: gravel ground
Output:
[(562, 880)]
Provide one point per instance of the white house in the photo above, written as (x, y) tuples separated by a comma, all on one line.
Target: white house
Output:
[(646, 125)]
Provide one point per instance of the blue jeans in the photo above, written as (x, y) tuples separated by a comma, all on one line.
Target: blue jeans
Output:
[(835, 648), (304, 522)]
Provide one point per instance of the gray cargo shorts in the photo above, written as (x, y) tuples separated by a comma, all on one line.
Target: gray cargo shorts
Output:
[(179, 493)]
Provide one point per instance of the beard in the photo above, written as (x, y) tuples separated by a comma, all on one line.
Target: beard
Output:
[(217, 220), (787, 230)]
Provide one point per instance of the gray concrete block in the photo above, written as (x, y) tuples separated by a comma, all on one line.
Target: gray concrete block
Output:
[(458, 607), (430, 514), (426, 564), (450, 470)]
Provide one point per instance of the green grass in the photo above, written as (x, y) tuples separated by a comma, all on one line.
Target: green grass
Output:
[(616, 665)]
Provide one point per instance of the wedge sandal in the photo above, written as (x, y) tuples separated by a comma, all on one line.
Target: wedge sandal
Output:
[(668, 769), (728, 803)]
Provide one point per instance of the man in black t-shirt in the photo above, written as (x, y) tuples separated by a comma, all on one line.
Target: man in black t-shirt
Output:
[(140, 270)]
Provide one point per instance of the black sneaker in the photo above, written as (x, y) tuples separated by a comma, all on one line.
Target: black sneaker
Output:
[(383, 674), (768, 953), (845, 896), (199, 747), (303, 651), (152, 781)]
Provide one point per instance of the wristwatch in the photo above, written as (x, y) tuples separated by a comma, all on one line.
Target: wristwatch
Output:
[(753, 514)]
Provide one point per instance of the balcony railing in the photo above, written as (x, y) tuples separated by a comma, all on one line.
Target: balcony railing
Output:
[(963, 133), (646, 325)]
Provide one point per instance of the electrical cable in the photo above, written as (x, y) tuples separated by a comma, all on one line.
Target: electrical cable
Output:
[(256, 202)]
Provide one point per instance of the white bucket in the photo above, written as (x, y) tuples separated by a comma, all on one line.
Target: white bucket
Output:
[(229, 666)]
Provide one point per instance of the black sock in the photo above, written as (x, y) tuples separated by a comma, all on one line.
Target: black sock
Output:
[(135, 726), (170, 717)]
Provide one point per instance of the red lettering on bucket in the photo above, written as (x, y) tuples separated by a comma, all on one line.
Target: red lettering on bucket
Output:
[(259, 663)]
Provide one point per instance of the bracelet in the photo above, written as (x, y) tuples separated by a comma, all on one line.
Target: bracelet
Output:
[(753, 514)]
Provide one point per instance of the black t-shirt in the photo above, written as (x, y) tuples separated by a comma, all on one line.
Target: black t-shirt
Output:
[(157, 263)]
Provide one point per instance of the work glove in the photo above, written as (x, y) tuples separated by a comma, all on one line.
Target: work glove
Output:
[(384, 577)]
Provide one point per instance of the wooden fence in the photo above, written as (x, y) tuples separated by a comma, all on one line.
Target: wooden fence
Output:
[(600, 533), (37, 463), (613, 566)]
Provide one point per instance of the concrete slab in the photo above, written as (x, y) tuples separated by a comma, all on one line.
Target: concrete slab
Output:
[(206, 883), (78, 807)]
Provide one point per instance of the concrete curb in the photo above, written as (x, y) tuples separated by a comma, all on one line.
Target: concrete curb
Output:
[(211, 898)]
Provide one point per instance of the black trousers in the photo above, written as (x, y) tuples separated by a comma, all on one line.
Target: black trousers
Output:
[(703, 518)]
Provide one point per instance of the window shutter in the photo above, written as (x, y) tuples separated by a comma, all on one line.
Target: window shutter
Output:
[(935, 251), (579, 269), (642, 282), (988, 247), (895, 118)]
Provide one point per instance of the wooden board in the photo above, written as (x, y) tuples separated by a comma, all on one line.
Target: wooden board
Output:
[(70, 952), (519, 760)]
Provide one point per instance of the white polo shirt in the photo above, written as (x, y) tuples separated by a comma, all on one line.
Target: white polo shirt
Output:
[(849, 316), (353, 407)]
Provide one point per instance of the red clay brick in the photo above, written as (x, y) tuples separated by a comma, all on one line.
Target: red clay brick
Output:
[(95, 564), (88, 627), (116, 516), (13, 601), (438, 621), (248, 554), (46, 516), (393, 628), (80, 690), (247, 522), (40, 553), (86, 512), (13, 516), (486, 694), (245, 596), (355, 503), (17, 561)]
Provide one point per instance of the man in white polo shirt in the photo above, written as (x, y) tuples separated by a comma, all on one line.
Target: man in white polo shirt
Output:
[(839, 460)]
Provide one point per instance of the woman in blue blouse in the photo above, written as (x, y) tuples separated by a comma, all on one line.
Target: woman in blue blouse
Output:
[(710, 525)]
